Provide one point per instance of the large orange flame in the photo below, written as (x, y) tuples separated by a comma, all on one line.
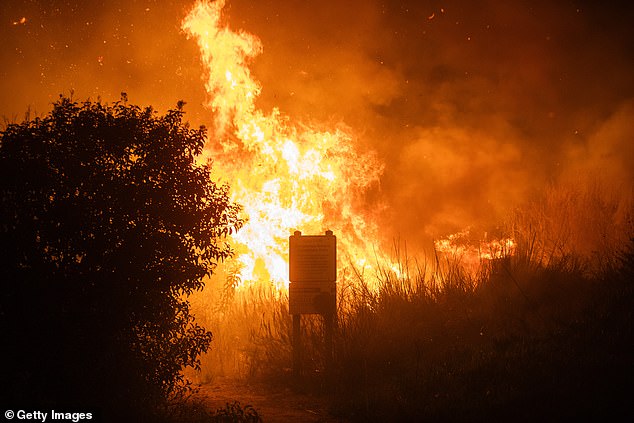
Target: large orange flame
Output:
[(286, 175)]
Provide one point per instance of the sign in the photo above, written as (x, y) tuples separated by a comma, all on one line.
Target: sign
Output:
[(312, 273), (311, 298), (312, 258)]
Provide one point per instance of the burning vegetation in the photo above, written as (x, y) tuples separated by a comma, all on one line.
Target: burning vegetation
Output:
[(287, 176), (480, 275), (475, 319)]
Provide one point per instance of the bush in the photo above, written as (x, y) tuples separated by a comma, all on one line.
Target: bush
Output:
[(107, 224)]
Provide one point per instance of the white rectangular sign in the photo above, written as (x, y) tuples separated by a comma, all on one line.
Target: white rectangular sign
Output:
[(311, 297), (312, 273), (313, 257)]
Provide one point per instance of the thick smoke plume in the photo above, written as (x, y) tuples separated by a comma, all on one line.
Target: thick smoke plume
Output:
[(473, 107)]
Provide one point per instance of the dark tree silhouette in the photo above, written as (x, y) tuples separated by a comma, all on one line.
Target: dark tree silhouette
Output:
[(107, 223)]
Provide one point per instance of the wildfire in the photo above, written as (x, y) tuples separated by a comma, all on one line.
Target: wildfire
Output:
[(286, 175), (471, 254)]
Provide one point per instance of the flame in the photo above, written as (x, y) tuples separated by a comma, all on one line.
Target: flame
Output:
[(286, 175), (472, 253)]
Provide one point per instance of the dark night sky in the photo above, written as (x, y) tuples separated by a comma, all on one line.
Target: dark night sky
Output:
[(472, 105)]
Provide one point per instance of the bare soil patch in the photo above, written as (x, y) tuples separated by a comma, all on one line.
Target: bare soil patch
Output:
[(273, 404)]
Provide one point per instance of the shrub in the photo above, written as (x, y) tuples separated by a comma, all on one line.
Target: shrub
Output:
[(107, 224)]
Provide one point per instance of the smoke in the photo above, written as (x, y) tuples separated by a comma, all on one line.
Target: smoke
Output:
[(608, 151), (96, 50), (472, 106)]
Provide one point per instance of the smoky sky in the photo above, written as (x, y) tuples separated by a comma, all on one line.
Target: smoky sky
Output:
[(473, 106)]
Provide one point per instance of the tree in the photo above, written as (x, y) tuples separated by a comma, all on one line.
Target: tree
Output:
[(107, 224)]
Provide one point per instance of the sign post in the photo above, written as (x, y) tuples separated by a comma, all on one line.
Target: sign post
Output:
[(312, 288)]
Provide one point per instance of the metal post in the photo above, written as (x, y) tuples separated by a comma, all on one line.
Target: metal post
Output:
[(329, 328), (297, 347)]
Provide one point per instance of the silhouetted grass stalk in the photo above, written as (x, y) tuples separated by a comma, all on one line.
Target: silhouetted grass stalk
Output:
[(418, 336)]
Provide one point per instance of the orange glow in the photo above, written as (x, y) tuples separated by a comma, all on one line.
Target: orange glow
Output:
[(286, 175), (471, 254)]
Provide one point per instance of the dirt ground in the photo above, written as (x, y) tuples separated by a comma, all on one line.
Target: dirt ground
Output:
[(272, 404)]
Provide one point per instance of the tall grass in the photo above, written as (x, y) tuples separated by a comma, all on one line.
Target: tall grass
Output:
[(545, 333), (473, 349), (586, 222)]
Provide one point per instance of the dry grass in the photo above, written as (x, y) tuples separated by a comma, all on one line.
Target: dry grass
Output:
[(544, 334)]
